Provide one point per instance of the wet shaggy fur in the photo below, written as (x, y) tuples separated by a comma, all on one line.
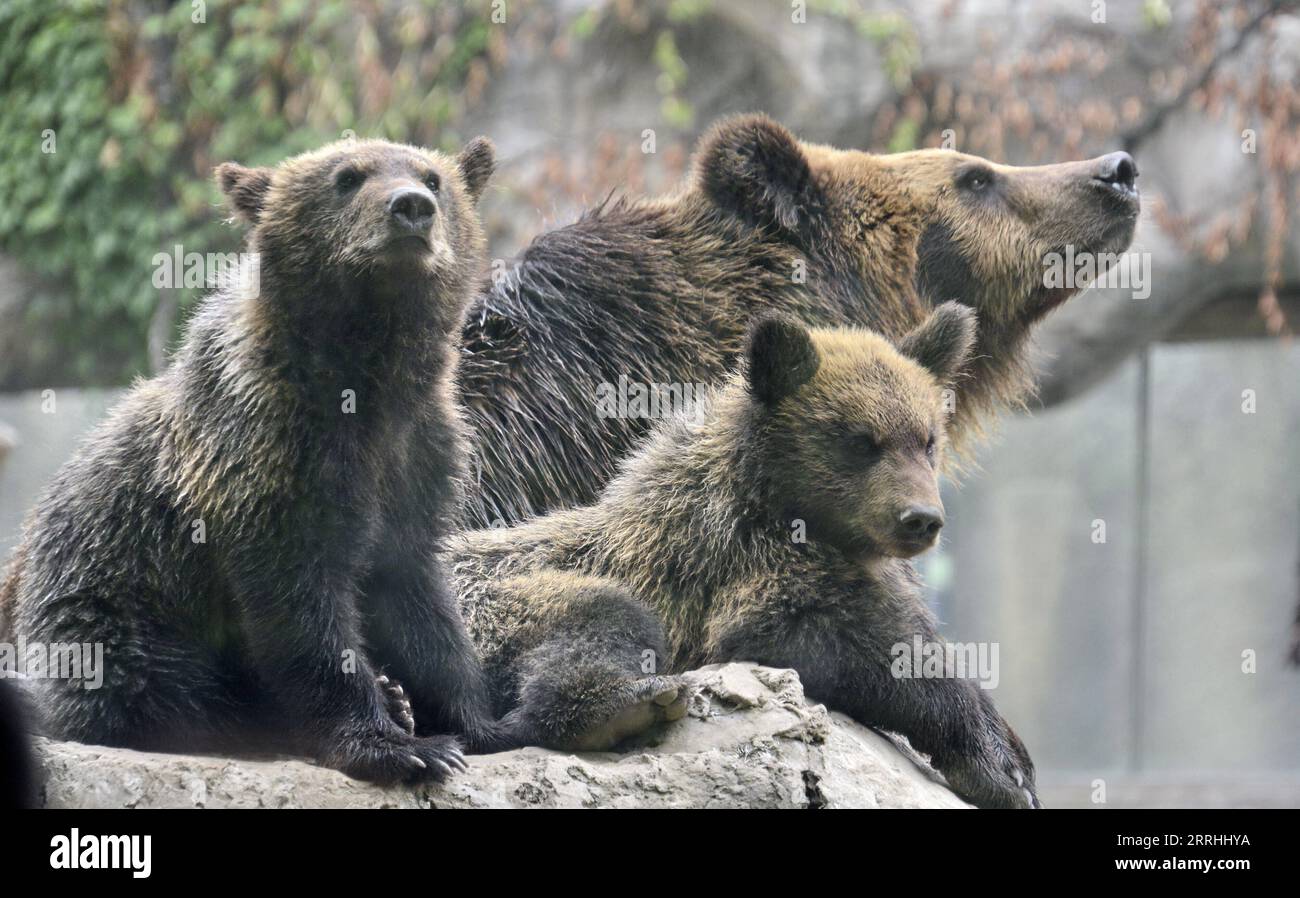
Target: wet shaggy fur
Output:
[(663, 290), (316, 569), (769, 530)]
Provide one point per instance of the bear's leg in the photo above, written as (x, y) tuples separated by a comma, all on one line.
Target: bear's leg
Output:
[(303, 629), (416, 634), (586, 673), (955, 723), (119, 675), (842, 651)]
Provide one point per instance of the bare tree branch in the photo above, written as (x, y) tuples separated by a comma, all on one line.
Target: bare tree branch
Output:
[(1139, 133)]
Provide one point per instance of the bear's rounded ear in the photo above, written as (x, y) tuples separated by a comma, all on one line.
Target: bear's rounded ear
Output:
[(245, 189), (755, 168), (780, 358), (477, 161), (942, 343)]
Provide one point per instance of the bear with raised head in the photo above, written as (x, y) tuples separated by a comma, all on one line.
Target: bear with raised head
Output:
[(252, 535), (775, 527), (663, 290)]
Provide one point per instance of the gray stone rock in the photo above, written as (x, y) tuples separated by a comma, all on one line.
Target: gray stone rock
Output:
[(751, 739)]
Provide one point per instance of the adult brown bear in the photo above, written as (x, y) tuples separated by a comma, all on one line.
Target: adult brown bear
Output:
[(661, 291)]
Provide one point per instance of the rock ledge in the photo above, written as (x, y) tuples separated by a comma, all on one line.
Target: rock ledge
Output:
[(751, 739)]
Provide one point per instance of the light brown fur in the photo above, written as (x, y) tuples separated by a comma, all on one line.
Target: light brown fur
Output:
[(832, 435)]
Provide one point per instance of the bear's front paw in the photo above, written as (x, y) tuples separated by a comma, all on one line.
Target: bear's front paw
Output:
[(1000, 775), (1014, 776), (987, 786), (397, 757), (1019, 766)]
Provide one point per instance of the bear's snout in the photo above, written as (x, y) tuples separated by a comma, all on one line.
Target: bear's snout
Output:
[(412, 210), (1117, 171), (920, 524)]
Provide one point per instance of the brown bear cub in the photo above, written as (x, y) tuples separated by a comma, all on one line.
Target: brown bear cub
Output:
[(662, 290), (248, 534), (776, 527)]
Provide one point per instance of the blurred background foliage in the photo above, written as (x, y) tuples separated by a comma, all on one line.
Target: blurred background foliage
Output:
[(115, 114), (116, 111)]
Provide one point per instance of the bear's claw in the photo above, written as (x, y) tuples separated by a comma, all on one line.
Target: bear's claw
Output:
[(399, 706)]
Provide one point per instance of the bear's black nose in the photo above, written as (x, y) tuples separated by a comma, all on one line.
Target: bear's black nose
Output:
[(1117, 169), (920, 522), (412, 209)]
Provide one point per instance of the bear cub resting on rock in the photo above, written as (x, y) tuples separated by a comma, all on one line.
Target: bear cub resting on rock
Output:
[(696, 554), (248, 534)]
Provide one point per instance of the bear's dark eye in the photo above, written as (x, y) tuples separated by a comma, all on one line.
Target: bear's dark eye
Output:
[(929, 449), (976, 179), (348, 180), (433, 182)]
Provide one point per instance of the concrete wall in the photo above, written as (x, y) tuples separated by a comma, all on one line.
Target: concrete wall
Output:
[(1124, 659)]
